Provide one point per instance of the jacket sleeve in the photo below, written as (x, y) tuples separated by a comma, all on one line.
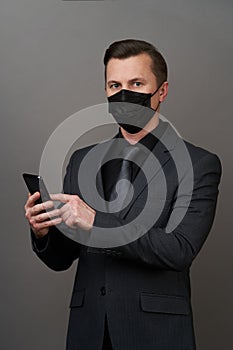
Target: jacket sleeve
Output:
[(55, 249), (176, 249)]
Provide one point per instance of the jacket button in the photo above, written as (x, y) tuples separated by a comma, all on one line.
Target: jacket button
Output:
[(103, 290)]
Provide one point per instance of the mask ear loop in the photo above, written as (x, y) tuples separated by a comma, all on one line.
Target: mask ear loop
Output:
[(154, 94), (151, 95)]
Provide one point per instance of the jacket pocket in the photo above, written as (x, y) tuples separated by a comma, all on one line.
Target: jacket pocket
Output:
[(168, 304), (77, 298)]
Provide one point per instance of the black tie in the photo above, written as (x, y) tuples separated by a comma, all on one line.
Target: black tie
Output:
[(124, 179)]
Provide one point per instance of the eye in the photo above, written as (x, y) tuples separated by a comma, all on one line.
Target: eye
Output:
[(114, 86), (138, 83)]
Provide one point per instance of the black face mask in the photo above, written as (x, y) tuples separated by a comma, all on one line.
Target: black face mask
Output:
[(132, 106)]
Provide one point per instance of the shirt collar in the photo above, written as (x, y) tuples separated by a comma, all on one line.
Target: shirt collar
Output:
[(150, 139)]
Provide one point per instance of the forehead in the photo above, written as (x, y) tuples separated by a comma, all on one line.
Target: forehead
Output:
[(128, 68)]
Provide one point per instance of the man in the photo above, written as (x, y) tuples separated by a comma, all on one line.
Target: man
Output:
[(134, 295)]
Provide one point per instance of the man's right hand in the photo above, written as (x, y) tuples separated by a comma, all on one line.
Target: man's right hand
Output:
[(41, 221)]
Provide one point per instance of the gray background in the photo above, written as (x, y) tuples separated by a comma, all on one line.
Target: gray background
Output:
[(51, 67)]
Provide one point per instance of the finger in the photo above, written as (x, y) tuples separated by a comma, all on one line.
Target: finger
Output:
[(65, 216), (62, 197), (69, 210), (39, 226), (65, 208), (48, 215), (70, 221), (32, 199), (41, 207)]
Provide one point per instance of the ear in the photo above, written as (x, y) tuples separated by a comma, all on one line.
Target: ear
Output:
[(163, 91)]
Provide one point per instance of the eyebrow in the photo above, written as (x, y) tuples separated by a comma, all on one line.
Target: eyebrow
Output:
[(131, 80), (137, 79), (112, 82)]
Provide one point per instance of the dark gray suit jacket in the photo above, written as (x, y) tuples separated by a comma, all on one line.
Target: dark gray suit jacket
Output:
[(143, 286)]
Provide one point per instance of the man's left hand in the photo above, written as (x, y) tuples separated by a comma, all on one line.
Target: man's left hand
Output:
[(75, 212)]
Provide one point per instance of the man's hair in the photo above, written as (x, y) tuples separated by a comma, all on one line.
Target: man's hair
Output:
[(132, 47)]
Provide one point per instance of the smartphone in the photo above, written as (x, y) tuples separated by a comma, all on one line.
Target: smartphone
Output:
[(34, 184)]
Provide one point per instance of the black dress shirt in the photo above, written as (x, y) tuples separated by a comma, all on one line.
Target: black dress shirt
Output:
[(110, 170)]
